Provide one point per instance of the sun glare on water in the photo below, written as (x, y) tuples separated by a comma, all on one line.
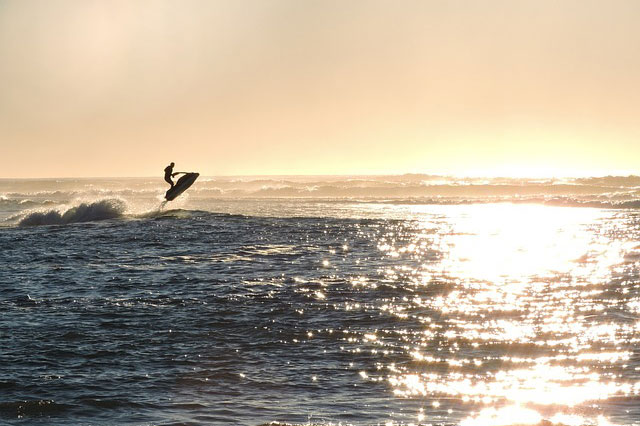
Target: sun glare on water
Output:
[(515, 303)]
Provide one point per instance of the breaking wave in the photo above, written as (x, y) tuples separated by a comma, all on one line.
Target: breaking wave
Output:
[(84, 212)]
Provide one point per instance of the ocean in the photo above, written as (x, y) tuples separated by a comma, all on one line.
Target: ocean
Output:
[(370, 300)]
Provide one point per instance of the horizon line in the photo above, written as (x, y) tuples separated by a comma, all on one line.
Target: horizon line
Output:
[(451, 176)]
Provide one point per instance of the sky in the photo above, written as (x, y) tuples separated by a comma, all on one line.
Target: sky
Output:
[(257, 87)]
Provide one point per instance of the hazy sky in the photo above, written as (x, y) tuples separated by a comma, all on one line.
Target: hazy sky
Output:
[(121, 88)]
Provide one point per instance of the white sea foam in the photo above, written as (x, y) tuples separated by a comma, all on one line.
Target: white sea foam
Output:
[(83, 212)]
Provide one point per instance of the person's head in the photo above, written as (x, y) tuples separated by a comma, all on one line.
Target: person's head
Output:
[(172, 164)]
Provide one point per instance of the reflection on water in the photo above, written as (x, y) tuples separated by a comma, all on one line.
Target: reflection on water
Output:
[(324, 313), (527, 312)]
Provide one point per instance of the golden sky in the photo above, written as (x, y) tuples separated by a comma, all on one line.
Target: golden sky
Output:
[(495, 87)]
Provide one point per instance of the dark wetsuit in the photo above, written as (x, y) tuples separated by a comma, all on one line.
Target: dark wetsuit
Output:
[(167, 175)]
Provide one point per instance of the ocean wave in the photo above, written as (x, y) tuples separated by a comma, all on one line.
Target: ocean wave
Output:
[(631, 204), (23, 203), (621, 181), (548, 201), (84, 212), (82, 192), (370, 189), (171, 213)]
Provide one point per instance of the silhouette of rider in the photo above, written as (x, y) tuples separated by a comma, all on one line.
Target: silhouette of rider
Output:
[(168, 174)]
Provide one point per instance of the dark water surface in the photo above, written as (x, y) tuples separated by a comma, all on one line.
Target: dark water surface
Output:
[(189, 316)]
